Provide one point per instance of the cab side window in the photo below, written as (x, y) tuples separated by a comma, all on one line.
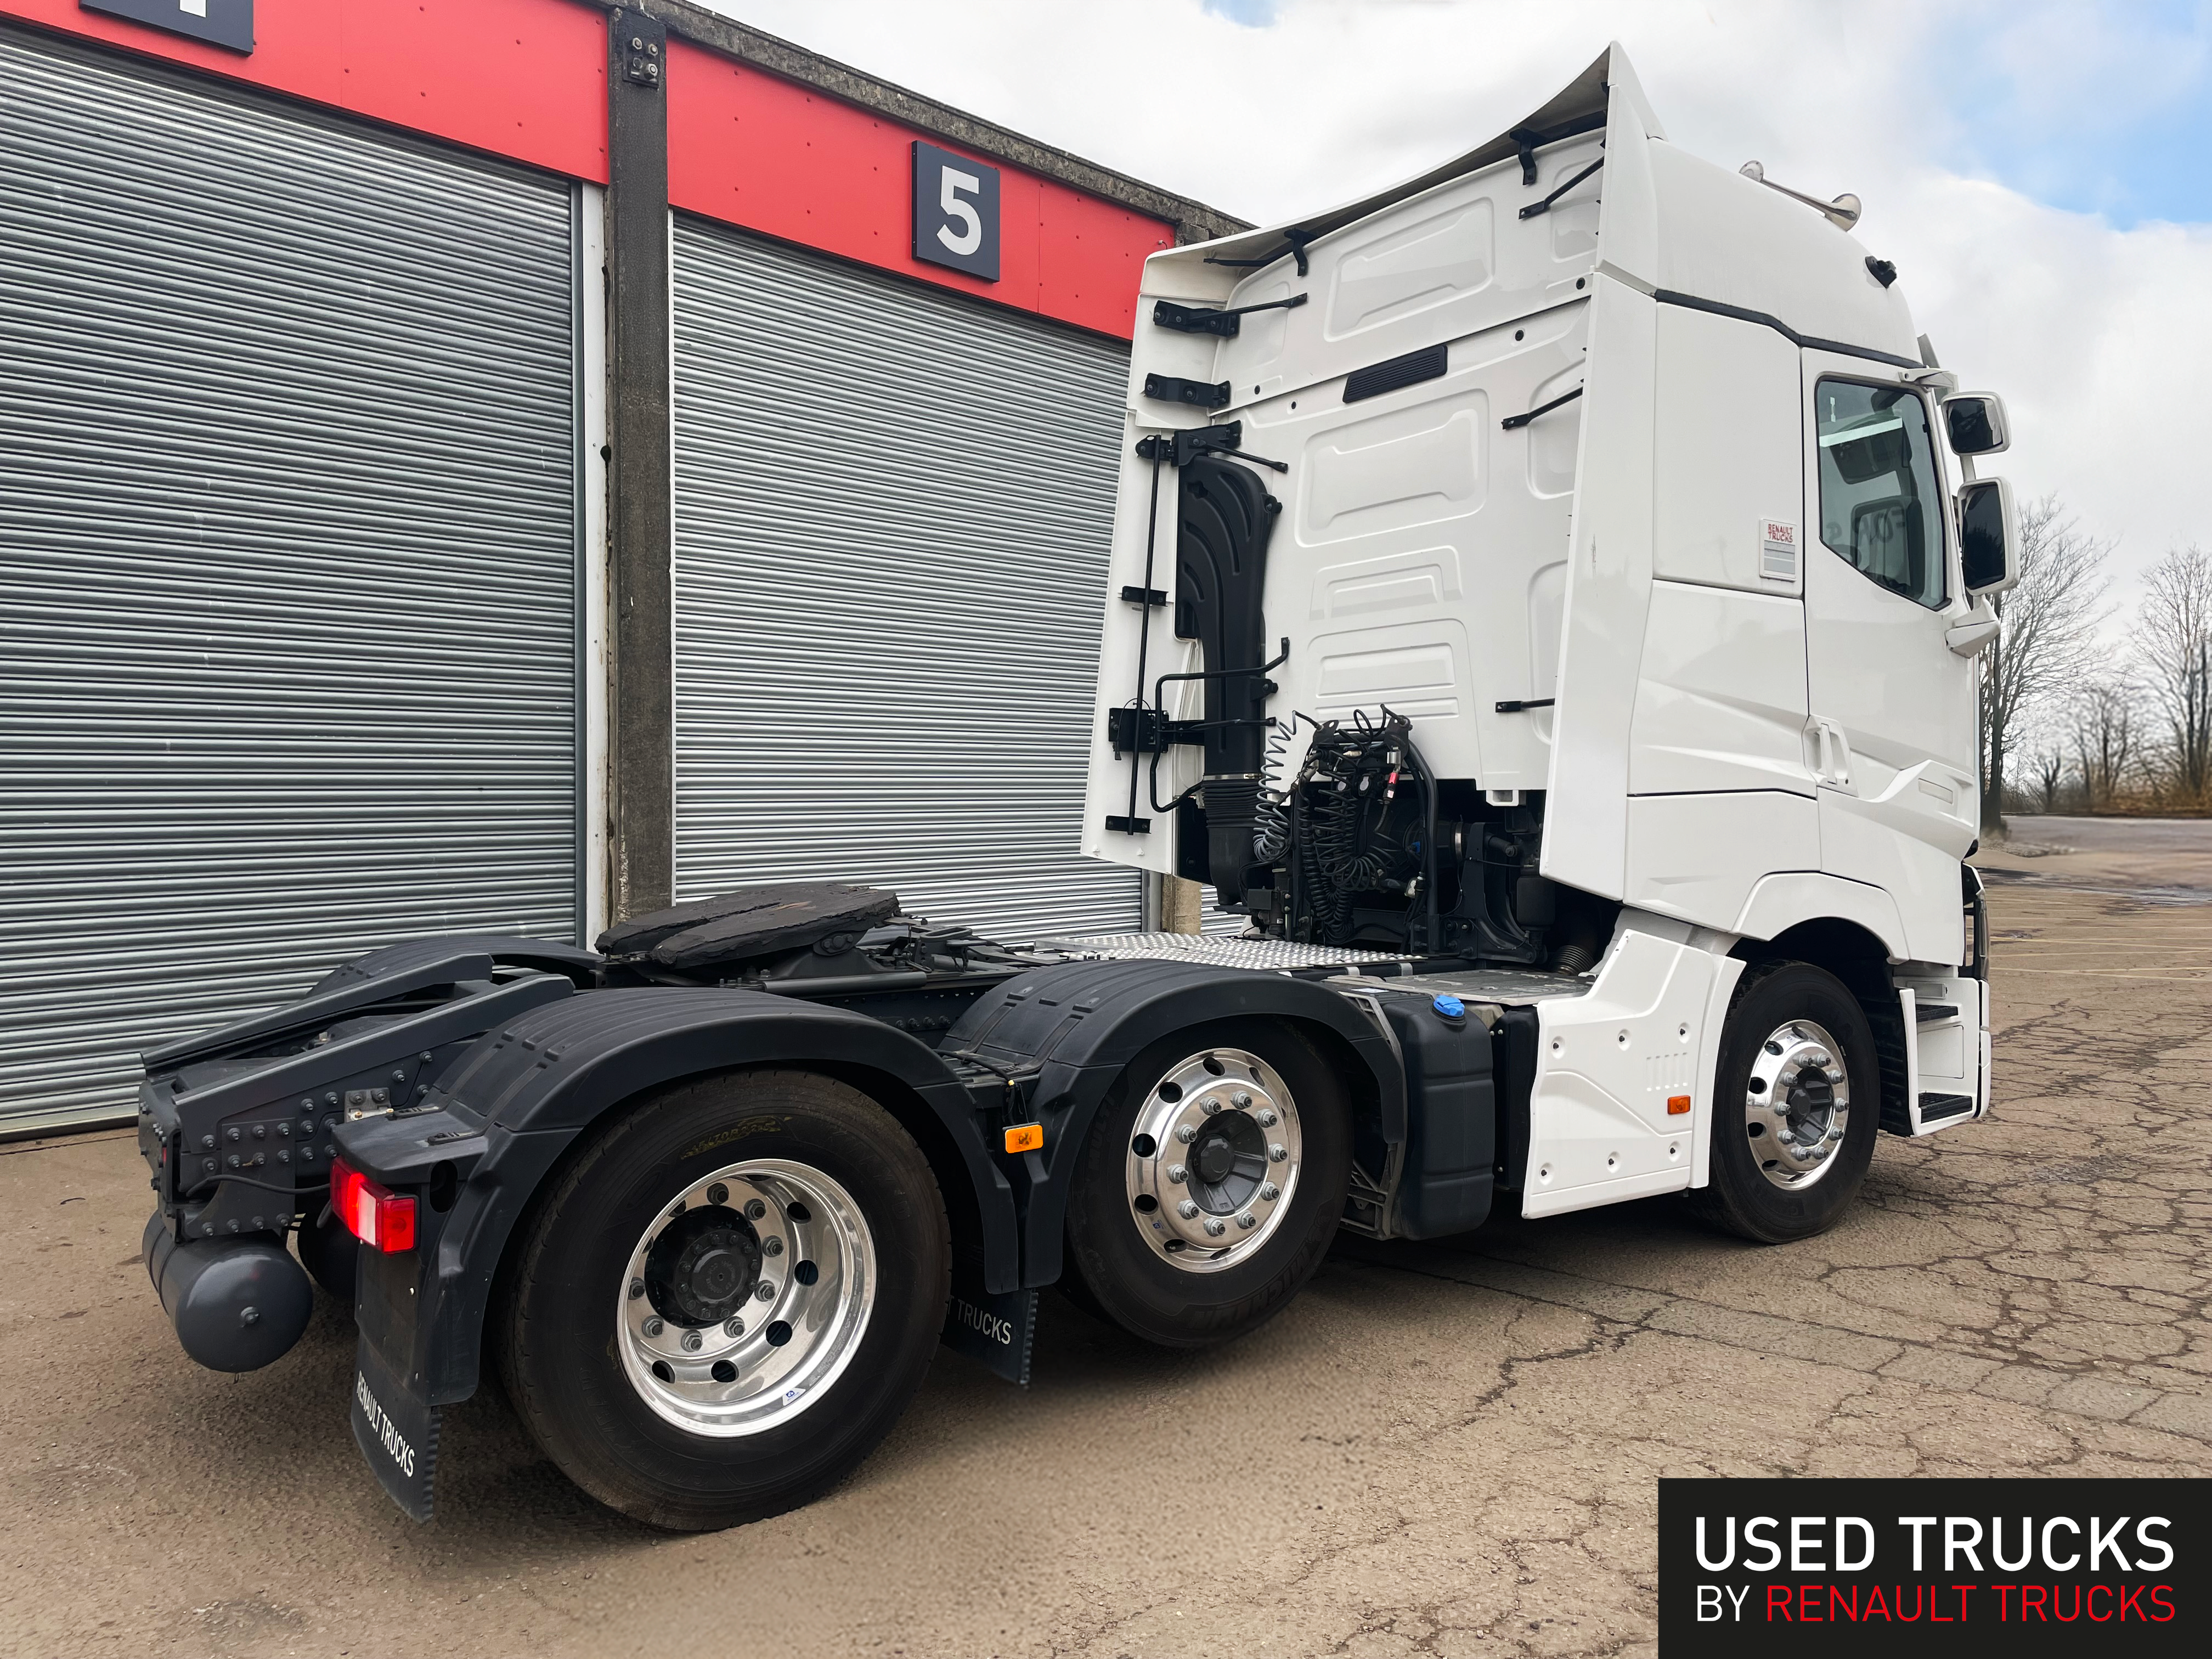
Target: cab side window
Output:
[(1878, 505)]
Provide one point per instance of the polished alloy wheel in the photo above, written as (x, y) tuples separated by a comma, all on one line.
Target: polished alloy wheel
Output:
[(745, 1297), (1213, 1160), (1797, 1104)]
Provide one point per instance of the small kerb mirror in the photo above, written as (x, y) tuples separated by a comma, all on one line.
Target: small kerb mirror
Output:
[(1988, 539), (1975, 422)]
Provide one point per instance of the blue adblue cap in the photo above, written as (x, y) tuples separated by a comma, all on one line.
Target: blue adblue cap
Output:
[(1450, 1008)]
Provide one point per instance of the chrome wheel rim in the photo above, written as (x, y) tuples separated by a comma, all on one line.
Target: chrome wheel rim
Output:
[(1796, 1104), (1213, 1160), (745, 1297)]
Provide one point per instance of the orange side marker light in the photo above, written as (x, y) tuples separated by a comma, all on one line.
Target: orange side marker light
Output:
[(1677, 1105), (1025, 1137)]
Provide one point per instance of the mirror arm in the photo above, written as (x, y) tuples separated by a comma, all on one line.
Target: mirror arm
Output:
[(1971, 636)]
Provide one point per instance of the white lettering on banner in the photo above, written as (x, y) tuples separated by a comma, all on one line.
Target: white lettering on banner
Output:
[(998, 1330), (1712, 1605), (381, 1424)]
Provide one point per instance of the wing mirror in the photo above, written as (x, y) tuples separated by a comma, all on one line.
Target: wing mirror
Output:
[(1976, 423), (1989, 536)]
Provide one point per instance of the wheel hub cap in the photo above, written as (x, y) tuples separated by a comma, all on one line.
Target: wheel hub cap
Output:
[(703, 1266), (1213, 1160), (1797, 1106)]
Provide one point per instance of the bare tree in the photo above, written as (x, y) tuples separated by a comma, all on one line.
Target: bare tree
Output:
[(2050, 773), (2049, 624), (2107, 739), (2173, 643)]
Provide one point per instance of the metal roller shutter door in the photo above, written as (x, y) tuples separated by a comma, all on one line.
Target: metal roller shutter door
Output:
[(286, 559), (891, 518)]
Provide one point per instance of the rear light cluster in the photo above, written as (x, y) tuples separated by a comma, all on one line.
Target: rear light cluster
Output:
[(373, 1213)]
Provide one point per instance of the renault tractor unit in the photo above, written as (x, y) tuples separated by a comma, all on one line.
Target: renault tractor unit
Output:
[(1543, 605)]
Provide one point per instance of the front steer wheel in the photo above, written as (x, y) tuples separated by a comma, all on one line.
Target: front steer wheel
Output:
[(1797, 1102), (728, 1298)]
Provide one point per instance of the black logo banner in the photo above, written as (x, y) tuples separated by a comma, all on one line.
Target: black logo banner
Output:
[(219, 22), (1898, 1568)]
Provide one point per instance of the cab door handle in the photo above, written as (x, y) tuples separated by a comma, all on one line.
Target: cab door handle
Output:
[(1833, 765)]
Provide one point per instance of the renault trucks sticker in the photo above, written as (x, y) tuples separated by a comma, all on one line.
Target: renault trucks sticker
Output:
[(1777, 550)]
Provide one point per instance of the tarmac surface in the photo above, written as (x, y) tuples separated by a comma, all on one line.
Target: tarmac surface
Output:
[(1443, 1449)]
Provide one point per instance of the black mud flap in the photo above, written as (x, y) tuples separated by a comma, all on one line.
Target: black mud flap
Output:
[(397, 1432), (996, 1329)]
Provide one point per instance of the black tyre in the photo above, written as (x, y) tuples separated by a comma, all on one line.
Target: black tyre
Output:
[(1796, 1104), (330, 1253), (728, 1298), (1211, 1182)]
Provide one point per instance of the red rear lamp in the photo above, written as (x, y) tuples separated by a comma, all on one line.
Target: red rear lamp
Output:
[(374, 1214)]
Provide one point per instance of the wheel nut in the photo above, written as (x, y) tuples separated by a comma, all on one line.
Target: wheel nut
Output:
[(718, 1194), (691, 1341), (771, 1247), (1271, 1192), (1277, 1152), (1215, 1226), (636, 1289), (1240, 1098), (1186, 1134), (1247, 1221), (733, 1328), (1266, 1120), (652, 1326), (1209, 1107), (1177, 1175), (755, 1209), (1188, 1209), (764, 1291)]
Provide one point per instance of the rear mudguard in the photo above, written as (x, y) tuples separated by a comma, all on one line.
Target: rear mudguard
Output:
[(500, 1118), (1069, 1030)]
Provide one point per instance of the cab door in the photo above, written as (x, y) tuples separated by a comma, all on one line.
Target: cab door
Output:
[(1890, 731)]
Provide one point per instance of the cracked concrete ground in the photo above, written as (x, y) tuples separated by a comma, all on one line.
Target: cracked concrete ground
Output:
[(1444, 1449)]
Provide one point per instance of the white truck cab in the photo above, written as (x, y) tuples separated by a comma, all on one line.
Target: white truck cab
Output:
[(1609, 498)]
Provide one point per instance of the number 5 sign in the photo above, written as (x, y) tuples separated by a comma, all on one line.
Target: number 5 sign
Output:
[(956, 211)]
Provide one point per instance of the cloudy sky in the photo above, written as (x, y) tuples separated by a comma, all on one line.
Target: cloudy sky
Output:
[(2041, 173)]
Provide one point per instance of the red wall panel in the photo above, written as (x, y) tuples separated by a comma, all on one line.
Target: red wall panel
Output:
[(750, 148), (524, 78), (527, 79)]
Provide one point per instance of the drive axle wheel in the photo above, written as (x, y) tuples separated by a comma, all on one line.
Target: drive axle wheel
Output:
[(1211, 1168), (1211, 1182), (1797, 1102), (728, 1298)]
